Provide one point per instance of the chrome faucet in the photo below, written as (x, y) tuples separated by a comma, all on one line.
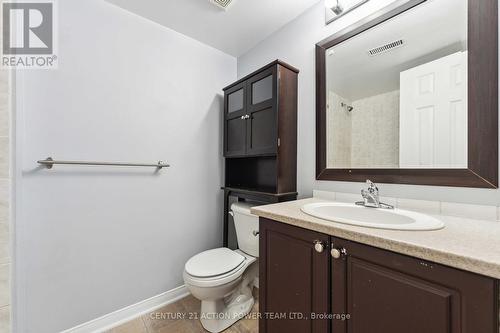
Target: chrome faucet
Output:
[(371, 197)]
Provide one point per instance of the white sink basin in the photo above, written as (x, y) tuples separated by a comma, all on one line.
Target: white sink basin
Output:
[(380, 218)]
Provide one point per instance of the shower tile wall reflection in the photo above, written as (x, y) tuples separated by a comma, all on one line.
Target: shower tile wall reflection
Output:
[(368, 135)]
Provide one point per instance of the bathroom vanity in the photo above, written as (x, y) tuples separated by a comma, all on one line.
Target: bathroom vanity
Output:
[(322, 276), (396, 102)]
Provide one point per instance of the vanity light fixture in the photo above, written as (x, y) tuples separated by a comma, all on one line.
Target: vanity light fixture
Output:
[(337, 8)]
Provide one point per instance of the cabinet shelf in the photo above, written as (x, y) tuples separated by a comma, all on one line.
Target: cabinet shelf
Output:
[(246, 156), (258, 192)]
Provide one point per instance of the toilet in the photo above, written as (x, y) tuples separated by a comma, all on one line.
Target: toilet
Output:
[(223, 279)]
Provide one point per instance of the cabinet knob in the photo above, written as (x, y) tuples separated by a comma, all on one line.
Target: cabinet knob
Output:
[(242, 117), (337, 253), (319, 246)]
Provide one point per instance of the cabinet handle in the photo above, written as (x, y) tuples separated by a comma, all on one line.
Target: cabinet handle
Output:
[(247, 117), (242, 118), (337, 253), (319, 246)]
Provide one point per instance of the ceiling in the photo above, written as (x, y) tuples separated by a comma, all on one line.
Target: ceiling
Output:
[(430, 31), (235, 31)]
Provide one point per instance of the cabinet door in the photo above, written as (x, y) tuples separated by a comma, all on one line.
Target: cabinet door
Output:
[(385, 292), (294, 279), (261, 108), (235, 121)]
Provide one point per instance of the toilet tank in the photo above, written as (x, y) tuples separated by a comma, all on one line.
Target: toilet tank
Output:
[(247, 226)]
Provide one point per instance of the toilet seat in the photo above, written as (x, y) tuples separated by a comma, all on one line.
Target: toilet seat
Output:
[(213, 263), (229, 276)]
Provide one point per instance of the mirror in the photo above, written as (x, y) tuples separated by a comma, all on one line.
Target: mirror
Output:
[(397, 94), (410, 95)]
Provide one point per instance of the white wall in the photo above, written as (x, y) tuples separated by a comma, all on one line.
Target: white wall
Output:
[(91, 240), (295, 44), (5, 228)]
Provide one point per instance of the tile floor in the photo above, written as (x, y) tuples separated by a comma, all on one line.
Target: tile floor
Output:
[(150, 324)]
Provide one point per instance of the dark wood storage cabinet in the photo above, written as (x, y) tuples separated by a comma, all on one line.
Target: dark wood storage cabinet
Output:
[(260, 112), (381, 291), (260, 137)]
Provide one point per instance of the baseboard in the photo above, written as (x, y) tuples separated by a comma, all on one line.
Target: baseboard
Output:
[(128, 313)]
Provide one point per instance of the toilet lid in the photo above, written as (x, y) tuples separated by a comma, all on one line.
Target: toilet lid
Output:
[(213, 262)]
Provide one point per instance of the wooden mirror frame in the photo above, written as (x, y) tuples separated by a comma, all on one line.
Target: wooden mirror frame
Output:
[(482, 170)]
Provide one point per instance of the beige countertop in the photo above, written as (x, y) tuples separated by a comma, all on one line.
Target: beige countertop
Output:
[(471, 245)]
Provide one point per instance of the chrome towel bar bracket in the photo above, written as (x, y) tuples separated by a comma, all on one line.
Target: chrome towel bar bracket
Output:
[(49, 163)]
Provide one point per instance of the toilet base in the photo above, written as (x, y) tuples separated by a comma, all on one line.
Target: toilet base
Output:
[(223, 304), (217, 315), (218, 321)]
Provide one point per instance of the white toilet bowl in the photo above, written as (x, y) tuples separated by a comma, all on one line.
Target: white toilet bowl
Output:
[(223, 279)]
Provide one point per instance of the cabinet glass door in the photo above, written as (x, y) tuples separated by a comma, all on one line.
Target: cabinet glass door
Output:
[(262, 138), (262, 90), (235, 101), (235, 121)]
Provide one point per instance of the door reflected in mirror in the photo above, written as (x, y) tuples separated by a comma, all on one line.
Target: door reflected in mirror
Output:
[(397, 93)]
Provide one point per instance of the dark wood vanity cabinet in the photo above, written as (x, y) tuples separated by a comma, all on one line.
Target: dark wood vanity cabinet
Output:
[(380, 291), (388, 292), (294, 279)]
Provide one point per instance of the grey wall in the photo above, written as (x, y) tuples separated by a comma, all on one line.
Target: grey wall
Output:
[(91, 240), (5, 228), (295, 43)]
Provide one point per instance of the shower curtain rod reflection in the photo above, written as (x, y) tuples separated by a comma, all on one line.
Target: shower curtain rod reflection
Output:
[(49, 163)]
